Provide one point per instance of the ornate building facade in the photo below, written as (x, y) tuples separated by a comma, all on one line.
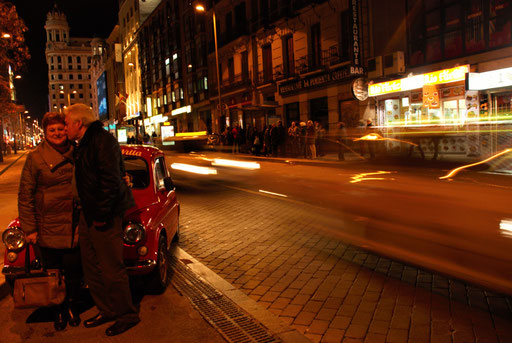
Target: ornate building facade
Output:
[(69, 60)]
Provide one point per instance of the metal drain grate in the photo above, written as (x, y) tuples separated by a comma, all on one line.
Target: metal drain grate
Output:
[(233, 323)]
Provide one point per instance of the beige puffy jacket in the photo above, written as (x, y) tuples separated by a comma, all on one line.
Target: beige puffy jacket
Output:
[(45, 197)]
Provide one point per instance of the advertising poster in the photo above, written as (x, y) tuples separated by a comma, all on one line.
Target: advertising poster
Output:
[(167, 133), (101, 86)]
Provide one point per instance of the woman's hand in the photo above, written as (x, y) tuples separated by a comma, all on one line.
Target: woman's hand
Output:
[(32, 238)]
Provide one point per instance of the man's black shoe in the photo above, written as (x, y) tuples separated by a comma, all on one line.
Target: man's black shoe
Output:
[(120, 327), (74, 317), (60, 321), (97, 320)]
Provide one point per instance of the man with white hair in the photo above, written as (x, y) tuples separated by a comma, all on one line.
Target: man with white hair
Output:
[(104, 197)]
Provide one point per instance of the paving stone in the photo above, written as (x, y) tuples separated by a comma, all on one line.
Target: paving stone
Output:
[(291, 310), (334, 303), (326, 314), (347, 310), (304, 318), (270, 296), (301, 299), (397, 336), (340, 322), (356, 331), (318, 326), (313, 306), (333, 336), (314, 337), (300, 328), (280, 303), (375, 338), (379, 326)]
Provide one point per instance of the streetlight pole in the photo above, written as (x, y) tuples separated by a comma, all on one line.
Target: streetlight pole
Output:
[(200, 8)]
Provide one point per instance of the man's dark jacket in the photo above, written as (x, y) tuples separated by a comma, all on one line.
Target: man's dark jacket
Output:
[(99, 169)]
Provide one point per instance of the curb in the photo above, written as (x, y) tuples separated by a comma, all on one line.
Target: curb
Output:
[(269, 320), (10, 164)]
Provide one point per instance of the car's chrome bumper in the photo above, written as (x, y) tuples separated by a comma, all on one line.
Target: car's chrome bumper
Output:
[(140, 267), (12, 271)]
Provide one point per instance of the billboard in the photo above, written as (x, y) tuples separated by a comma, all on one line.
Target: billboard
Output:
[(101, 88)]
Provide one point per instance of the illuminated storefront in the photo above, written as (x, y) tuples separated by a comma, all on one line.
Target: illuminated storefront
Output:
[(429, 109), (447, 112)]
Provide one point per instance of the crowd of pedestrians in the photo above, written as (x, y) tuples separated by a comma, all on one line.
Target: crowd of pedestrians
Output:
[(308, 139)]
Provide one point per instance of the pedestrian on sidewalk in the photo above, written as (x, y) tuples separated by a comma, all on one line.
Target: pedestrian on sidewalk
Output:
[(104, 197), (267, 146), (48, 214), (310, 139), (341, 135)]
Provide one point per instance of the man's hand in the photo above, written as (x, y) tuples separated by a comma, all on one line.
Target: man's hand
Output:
[(32, 238), (128, 180)]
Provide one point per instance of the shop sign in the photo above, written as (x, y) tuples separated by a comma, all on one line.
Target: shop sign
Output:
[(418, 81), (184, 109), (360, 89), (490, 79), (446, 75), (356, 57), (340, 74)]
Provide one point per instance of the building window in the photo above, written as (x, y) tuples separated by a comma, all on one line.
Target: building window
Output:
[(60, 76), (61, 95), (288, 55), (440, 30), (71, 76), (80, 86), (81, 96), (78, 60), (315, 46), (346, 33), (267, 62), (79, 76), (70, 59)]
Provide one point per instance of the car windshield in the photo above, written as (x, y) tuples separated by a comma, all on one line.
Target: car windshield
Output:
[(137, 168)]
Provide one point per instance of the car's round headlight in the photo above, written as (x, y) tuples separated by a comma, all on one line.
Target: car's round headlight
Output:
[(13, 238), (133, 233)]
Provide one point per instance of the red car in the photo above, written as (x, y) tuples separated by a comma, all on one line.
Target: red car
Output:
[(149, 227)]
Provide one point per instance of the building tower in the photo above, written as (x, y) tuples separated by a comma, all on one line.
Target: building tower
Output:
[(68, 62)]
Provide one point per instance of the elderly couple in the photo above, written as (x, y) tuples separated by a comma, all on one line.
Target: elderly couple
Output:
[(71, 201)]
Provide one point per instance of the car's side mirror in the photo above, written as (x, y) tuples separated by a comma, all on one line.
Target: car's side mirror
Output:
[(169, 185)]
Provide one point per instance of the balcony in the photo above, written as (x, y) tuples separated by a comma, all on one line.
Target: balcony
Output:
[(311, 63), (227, 85)]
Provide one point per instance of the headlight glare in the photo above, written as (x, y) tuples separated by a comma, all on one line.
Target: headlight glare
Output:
[(13, 238), (133, 233)]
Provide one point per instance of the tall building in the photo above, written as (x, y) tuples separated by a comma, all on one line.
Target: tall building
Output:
[(107, 80), (172, 57), (130, 14), (68, 62)]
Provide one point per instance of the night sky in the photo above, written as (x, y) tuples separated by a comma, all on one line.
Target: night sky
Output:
[(86, 18)]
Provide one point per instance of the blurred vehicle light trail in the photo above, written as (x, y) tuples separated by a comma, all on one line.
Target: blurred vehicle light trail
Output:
[(363, 176), (235, 164), (272, 193), (456, 170), (506, 227), (193, 169)]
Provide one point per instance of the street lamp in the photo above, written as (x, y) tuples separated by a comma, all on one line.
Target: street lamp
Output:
[(201, 8)]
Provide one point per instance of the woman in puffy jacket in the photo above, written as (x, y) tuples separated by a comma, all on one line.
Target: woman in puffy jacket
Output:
[(46, 211)]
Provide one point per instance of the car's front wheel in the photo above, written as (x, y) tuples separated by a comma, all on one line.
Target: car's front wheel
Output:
[(159, 277)]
